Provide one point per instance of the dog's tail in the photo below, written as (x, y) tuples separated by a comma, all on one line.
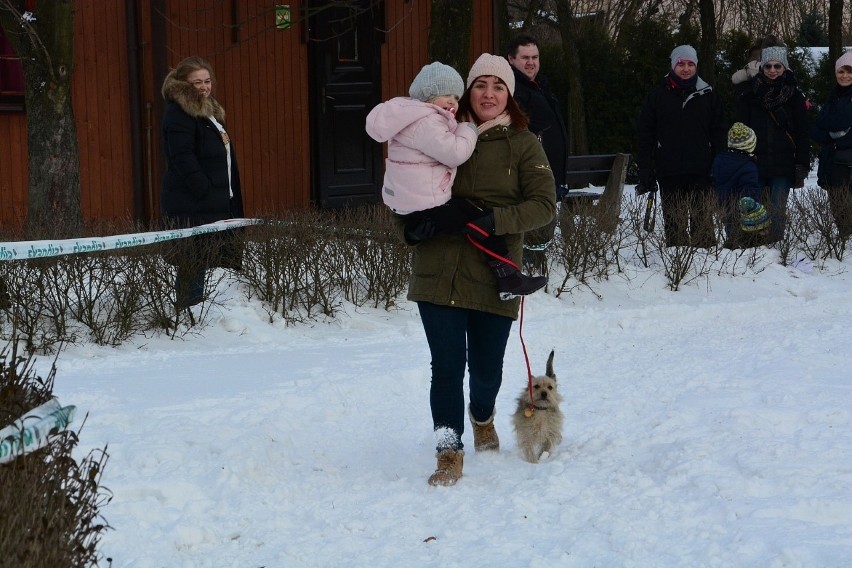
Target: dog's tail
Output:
[(549, 371)]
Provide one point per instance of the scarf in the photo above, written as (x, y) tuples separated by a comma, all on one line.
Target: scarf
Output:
[(503, 119), (772, 93), (682, 85), (842, 92)]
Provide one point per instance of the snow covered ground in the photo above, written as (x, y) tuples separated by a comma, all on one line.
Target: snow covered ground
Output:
[(706, 427)]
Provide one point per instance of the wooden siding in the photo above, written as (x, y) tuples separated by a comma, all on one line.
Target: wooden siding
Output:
[(13, 169), (482, 38), (101, 99)]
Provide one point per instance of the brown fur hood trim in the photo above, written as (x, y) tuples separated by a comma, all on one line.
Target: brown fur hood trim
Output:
[(189, 100)]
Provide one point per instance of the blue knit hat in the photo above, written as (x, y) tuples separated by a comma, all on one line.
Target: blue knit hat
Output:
[(753, 216), (435, 80)]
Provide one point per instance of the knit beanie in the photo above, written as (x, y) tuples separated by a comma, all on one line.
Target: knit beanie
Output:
[(774, 54), (488, 64), (741, 137), (684, 53), (845, 60), (435, 80), (753, 215)]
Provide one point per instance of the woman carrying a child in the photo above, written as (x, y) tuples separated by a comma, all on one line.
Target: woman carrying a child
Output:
[(508, 179), (425, 146)]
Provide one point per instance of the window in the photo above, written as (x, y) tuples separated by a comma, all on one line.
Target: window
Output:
[(11, 77)]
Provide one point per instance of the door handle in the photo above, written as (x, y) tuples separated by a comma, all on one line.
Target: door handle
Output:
[(324, 97)]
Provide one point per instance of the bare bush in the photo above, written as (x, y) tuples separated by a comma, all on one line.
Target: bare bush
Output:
[(639, 224), (303, 266), (685, 263), (811, 225), (588, 244), (376, 262), (50, 503), (290, 265), (38, 311)]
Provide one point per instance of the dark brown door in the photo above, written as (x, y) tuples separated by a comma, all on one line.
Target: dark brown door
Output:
[(345, 70)]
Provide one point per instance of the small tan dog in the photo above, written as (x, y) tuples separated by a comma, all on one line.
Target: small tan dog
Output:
[(538, 425)]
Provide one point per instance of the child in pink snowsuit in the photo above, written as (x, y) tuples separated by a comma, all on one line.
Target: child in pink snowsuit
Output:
[(425, 147)]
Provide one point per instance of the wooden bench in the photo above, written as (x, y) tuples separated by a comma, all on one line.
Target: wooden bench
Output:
[(601, 170)]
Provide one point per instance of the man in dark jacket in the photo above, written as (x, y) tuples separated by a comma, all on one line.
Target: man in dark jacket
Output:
[(533, 94), (681, 128), (532, 91)]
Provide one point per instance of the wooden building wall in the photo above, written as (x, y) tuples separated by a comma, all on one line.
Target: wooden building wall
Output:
[(13, 170), (101, 95), (124, 49)]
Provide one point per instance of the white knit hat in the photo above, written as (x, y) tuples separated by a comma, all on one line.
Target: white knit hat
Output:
[(488, 64), (435, 80), (683, 53), (844, 60)]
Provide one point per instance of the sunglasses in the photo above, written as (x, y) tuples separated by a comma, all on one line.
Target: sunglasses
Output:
[(776, 66)]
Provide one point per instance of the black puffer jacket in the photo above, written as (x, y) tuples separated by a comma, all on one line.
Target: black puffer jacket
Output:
[(195, 185), (679, 131), (782, 130), (835, 116), (546, 122)]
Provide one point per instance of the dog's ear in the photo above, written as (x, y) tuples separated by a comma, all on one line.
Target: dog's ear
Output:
[(549, 371)]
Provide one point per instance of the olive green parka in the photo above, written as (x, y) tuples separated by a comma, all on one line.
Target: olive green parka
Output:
[(509, 173)]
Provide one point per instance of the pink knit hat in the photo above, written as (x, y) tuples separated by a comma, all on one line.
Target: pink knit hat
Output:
[(844, 60), (496, 65)]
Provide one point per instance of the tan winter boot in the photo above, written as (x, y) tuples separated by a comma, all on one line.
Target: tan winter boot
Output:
[(449, 470), (484, 435)]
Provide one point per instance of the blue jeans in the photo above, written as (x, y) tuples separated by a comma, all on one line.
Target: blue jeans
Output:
[(779, 190), (456, 337)]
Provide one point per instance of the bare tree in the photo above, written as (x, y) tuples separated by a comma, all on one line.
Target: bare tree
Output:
[(835, 29), (44, 41), (707, 48)]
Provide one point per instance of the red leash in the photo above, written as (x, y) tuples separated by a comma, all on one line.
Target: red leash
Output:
[(491, 253)]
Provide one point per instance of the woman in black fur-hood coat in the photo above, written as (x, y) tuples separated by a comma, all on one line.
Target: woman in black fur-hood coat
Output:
[(202, 181)]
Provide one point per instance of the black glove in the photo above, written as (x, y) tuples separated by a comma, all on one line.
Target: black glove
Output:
[(644, 187), (419, 230), (800, 175), (482, 227)]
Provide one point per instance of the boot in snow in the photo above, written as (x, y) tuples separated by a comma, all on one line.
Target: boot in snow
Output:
[(449, 469), (484, 435)]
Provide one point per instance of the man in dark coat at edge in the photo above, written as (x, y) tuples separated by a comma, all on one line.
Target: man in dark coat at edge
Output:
[(533, 94)]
